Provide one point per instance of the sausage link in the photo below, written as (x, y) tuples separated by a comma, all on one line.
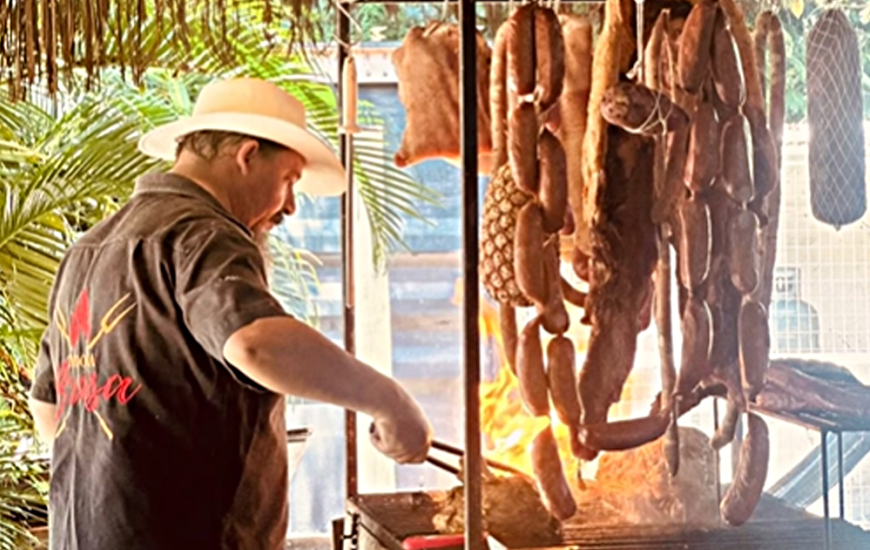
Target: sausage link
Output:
[(694, 242), (736, 177), (549, 57), (507, 322), (530, 370), (673, 190), (696, 327), (743, 251), (528, 249), (550, 476), (753, 107), (695, 45), (653, 75), (521, 50), (523, 147), (727, 72), (776, 124), (702, 164), (745, 491), (777, 82), (754, 347), (562, 377), (554, 316), (498, 104), (759, 37), (622, 435), (765, 171), (554, 181)]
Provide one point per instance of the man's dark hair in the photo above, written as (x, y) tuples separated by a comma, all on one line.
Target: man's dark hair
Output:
[(208, 143)]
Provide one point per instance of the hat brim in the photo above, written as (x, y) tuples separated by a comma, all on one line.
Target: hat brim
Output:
[(323, 173)]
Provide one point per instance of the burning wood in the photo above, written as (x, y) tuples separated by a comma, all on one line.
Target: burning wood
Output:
[(633, 487), (512, 512)]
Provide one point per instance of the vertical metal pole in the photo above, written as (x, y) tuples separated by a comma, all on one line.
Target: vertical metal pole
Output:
[(825, 489), (717, 459), (841, 475), (345, 145), (471, 348)]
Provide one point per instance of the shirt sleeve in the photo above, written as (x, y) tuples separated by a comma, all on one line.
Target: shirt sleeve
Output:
[(43, 388), (221, 286)]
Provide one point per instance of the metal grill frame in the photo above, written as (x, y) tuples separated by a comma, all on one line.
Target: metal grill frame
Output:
[(384, 521), (474, 536), (471, 366)]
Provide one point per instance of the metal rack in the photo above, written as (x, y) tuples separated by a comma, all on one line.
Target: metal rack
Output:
[(474, 535), (825, 425)]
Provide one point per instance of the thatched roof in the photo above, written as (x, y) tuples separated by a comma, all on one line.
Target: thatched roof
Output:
[(45, 40)]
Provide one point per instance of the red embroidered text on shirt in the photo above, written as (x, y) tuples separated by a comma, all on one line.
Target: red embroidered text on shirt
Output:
[(77, 381)]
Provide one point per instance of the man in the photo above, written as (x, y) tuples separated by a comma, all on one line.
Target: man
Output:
[(161, 377)]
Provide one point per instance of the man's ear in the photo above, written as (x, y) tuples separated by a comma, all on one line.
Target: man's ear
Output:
[(245, 153)]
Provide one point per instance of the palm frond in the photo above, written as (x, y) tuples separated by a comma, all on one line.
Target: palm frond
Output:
[(397, 196), (22, 491), (294, 279)]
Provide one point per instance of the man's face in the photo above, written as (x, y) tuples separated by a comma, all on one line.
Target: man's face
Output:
[(267, 180)]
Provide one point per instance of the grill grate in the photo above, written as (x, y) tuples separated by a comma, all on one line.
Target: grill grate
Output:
[(804, 534), (395, 516)]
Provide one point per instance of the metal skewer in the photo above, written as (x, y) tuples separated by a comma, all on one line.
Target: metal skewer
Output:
[(443, 465), (447, 448)]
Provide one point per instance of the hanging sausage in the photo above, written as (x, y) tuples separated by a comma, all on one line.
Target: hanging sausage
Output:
[(835, 115), (628, 169)]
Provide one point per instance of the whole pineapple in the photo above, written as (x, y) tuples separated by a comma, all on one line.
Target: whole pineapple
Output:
[(500, 206)]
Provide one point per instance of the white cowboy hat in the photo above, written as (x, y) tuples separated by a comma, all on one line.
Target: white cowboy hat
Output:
[(256, 108)]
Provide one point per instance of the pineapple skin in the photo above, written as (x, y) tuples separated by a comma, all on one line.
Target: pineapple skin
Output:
[(502, 201)]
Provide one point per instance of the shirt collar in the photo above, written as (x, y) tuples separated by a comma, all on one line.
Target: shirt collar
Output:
[(168, 182)]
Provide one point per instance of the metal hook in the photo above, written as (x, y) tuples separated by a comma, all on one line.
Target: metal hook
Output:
[(445, 10), (640, 49)]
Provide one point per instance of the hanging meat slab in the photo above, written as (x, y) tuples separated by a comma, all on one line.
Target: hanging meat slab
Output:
[(624, 257), (427, 69)]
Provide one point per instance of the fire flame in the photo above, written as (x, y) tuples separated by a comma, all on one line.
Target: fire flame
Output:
[(508, 430)]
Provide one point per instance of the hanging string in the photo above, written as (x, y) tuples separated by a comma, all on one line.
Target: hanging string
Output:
[(639, 38), (348, 83)]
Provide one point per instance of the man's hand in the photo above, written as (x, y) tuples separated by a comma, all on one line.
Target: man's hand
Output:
[(403, 433), (289, 357)]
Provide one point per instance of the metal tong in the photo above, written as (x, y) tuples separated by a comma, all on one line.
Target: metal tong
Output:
[(441, 446)]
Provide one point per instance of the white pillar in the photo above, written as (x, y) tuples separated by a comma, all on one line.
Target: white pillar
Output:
[(373, 333)]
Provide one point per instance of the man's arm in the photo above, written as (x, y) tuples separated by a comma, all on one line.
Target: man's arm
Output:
[(44, 419), (289, 357), (221, 288)]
